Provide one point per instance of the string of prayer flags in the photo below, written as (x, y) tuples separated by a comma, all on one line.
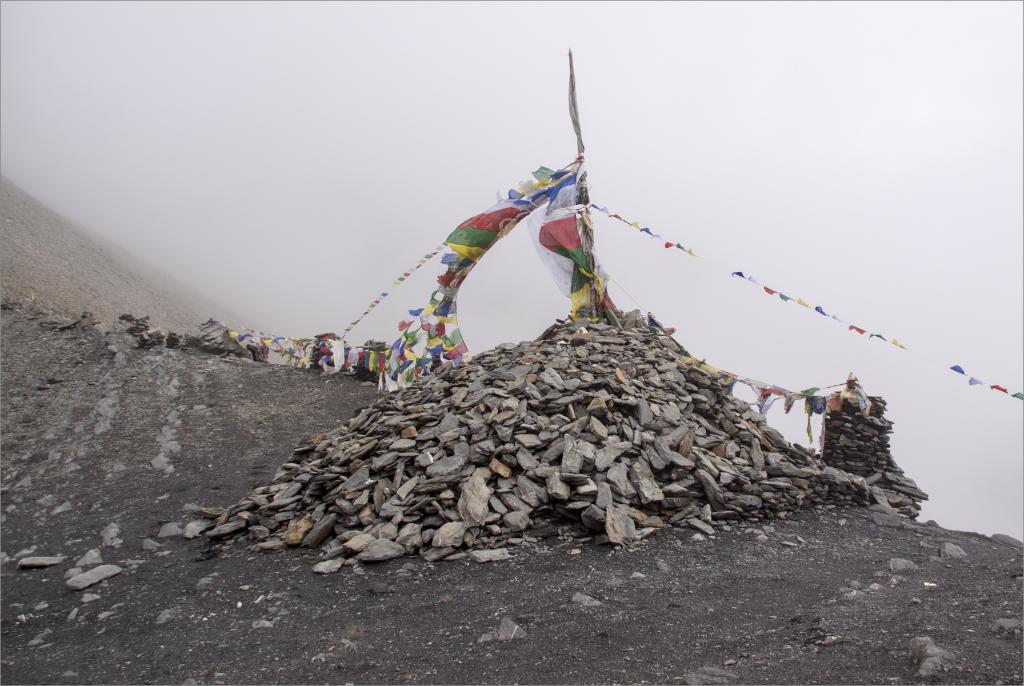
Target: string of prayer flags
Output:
[(402, 277), (973, 381), (817, 308), (644, 229)]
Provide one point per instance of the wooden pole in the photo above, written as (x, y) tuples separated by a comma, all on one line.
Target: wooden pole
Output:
[(583, 222)]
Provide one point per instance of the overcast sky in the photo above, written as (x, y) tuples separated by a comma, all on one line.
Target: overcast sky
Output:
[(290, 160)]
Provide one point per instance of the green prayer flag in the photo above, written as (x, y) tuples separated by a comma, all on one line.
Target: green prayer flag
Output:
[(543, 173), (1019, 396)]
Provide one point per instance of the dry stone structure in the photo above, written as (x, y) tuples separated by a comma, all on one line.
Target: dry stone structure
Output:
[(591, 431), (859, 444)]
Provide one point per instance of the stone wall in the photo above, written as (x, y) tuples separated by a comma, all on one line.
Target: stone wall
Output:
[(860, 445)]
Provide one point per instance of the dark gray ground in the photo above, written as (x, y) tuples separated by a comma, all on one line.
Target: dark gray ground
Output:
[(82, 429)]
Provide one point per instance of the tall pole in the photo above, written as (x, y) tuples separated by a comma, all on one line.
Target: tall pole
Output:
[(583, 221), (574, 111)]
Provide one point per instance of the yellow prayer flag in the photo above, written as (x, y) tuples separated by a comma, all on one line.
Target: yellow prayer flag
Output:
[(800, 301)]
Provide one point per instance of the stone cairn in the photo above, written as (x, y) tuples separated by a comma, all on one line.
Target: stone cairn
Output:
[(146, 337), (589, 432), (860, 445)]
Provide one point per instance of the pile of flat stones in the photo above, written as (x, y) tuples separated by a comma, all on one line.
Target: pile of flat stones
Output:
[(139, 328), (859, 444), (146, 336), (590, 431)]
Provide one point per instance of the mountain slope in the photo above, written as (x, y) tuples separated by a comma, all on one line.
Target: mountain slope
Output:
[(48, 261)]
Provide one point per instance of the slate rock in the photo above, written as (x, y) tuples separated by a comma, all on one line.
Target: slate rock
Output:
[(195, 528), (170, 529), (618, 526), (473, 502), (450, 535), (93, 576), (489, 555), (40, 562), (380, 550)]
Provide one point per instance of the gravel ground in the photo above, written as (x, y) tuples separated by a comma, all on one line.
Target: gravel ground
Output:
[(89, 442)]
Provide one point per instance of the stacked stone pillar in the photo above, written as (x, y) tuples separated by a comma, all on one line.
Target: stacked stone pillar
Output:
[(859, 445)]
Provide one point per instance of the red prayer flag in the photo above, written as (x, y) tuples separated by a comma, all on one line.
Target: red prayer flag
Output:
[(857, 329), (668, 245), (997, 387), (769, 291)]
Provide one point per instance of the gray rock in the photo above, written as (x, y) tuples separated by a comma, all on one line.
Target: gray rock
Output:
[(890, 521), (380, 550), (618, 479), (110, 535), (93, 576), (39, 562), (593, 518), (91, 558), (586, 600), (328, 566), (898, 564), (489, 555), (449, 535), (149, 545), (262, 624), (447, 466), (320, 531), (644, 483), (508, 630), (701, 526), (929, 659), (206, 583), (473, 502), (195, 528), (709, 675), (170, 529), (952, 550), (226, 529), (528, 441), (516, 521), (167, 615), (557, 489), (618, 526)]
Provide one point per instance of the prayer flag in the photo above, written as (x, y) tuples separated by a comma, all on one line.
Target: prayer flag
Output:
[(958, 369)]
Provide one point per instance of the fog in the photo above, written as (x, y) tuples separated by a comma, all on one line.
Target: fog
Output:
[(290, 160)]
